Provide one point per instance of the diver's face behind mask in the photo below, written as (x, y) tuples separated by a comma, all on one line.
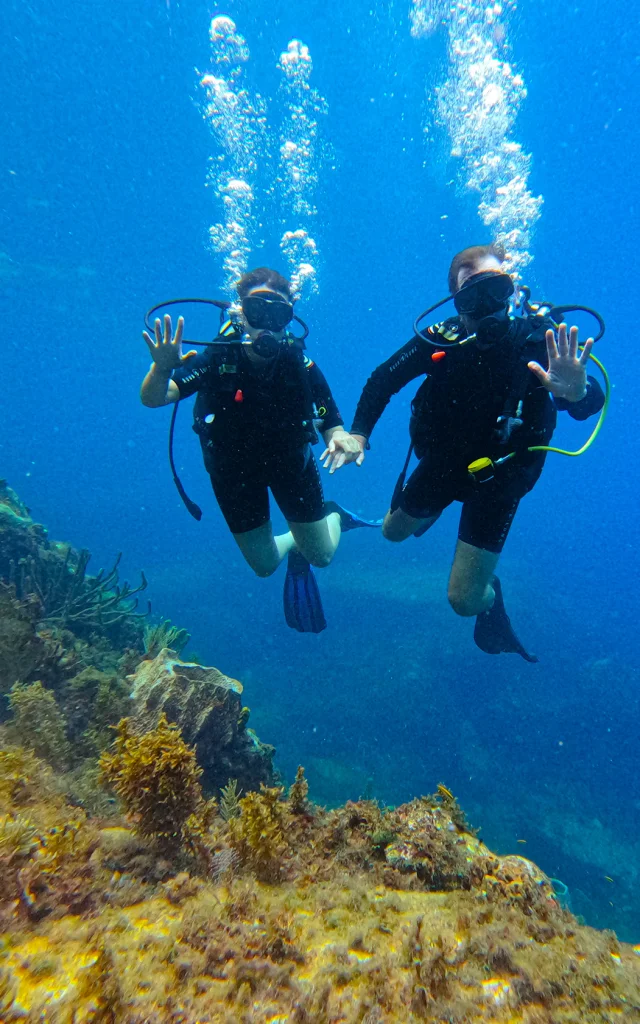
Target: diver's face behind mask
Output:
[(483, 301), (267, 311), (484, 295)]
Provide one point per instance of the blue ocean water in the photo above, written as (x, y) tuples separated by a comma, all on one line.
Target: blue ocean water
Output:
[(105, 212)]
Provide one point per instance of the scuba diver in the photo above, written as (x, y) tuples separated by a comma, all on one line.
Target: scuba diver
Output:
[(485, 404), (257, 398)]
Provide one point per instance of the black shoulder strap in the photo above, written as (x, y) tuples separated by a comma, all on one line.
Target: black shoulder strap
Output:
[(191, 506), (530, 331)]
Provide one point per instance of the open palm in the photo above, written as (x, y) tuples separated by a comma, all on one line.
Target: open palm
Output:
[(166, 348), (566, 376)]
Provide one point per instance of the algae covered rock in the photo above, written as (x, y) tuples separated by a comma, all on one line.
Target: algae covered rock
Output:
[(94, 920), (23, 654), (19, 535), (94, 702), (428, 843), (207, 706)]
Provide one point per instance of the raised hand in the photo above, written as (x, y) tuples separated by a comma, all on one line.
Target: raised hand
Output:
[(566, 376), (166, 351)]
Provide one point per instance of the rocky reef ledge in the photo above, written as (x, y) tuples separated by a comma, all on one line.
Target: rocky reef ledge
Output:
[(154, 870), (272, 909)]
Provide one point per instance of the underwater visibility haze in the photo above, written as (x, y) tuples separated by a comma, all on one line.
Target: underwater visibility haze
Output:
[(158, 149)]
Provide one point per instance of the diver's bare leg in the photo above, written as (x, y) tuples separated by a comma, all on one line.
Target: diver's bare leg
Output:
[(470, 590), (317, 541), (397, 526), (262, 550)]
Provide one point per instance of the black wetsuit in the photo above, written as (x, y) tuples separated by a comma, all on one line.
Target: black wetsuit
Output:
[(454, 421), (256, 427)]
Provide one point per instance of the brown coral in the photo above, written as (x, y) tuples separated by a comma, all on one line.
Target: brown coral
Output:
[(299, 792), (156, 776), (259, 833)]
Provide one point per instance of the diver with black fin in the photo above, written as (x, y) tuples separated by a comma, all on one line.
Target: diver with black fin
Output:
[(259, 398), (493, 631), (481, 422)]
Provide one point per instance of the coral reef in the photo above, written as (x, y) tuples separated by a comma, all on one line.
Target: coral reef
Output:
[(19, 535), (156, 906), (164, 634), (70, 597), (156, 776), (93, 702), (54, 577), (71, 648), (38, 723), (315, 919), (206, 705), (23, 654)]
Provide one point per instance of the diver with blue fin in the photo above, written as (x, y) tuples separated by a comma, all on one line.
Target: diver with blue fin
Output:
[(259, 398), (482, 421)]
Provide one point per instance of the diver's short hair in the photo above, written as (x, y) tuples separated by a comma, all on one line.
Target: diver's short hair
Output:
[(469, 257), (264, 276)]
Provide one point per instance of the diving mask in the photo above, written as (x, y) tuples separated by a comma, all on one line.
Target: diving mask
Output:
[(484, 294), (267, 312)]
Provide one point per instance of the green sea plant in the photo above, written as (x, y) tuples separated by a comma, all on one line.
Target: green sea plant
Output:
[(163, 634), (230, 800), (38, 723), (156, 776)]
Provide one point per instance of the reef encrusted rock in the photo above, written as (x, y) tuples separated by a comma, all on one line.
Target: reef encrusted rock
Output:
[(23, 654), (19, 535), (207, 706), (94, 920)]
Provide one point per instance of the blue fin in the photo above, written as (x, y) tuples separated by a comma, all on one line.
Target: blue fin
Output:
[(494, 633), (349, 520), (301, 597)]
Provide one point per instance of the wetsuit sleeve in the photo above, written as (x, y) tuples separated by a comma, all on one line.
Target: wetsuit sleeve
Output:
[(193, 374), (324, 401), (405, 365), (587, 406)]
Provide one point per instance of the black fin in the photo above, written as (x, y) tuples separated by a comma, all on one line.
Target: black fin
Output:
[(494, 633), (301, 597)]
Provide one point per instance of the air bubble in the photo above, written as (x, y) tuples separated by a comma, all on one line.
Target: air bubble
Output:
[(478, 104)]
